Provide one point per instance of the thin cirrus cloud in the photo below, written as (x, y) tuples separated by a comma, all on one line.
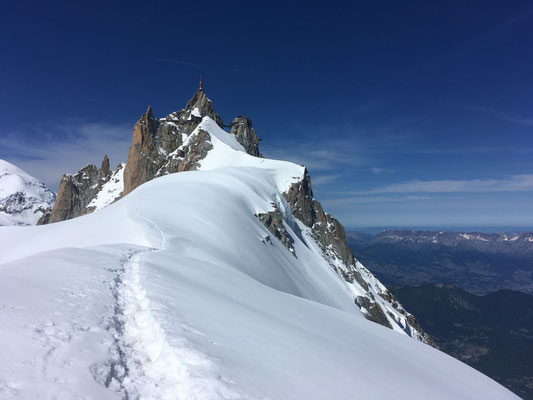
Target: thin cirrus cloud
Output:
[(513, 118), (514, 183), (49, 152), (373, 200)]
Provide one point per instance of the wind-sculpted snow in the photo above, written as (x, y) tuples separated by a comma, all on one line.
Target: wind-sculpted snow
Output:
[(175, 292)]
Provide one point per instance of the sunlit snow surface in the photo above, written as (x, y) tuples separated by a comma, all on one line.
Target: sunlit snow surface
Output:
[(22, 197), (110, 190), (173, 293)]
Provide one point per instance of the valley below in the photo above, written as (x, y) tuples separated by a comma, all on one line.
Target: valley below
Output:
[(472, 293)]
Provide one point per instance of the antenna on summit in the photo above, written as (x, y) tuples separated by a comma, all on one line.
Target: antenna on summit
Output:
[(201, 84)]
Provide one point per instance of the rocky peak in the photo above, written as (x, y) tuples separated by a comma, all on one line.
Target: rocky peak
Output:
[(76, 192), (158, 147), (104, 170), (163, 146), (23, 198), (204, 106), (241, 127), (143, 154)]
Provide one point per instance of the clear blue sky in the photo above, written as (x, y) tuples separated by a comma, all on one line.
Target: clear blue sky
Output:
[(406, 113)]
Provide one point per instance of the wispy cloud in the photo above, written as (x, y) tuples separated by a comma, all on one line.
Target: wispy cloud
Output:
[(240, 70), (180, 62), (477, 150), (320, 155), (341, 145), (485, 38), (47, 152), (378, 170), (514, 183), (319, 180), (372, 199), (514, 118)]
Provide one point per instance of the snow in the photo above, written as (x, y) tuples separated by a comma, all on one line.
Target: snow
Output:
[(195, 112), (22, 197), (227, 152), (110, 191), (173, 293)]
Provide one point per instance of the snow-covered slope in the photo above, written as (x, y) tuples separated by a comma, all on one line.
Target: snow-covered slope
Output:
[(178, 291), (110, 191), (22, 197)]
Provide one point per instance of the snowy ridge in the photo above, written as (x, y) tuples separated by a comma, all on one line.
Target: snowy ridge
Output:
[(185, 298), (22, 197)]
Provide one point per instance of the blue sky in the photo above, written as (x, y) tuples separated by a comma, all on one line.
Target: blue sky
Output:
[(406, 113)]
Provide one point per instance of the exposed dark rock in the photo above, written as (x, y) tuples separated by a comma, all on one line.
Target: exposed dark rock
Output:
[(73, 195), (157, 148), (142, 162), (76, 192), (330, 235), (273, 221), (327, 230), (241, 127), (104, 170), (300, 198), (374, 312), (154, 140), (204, 106), (188, 156), (45, 218), (414, 323), (359, 279)]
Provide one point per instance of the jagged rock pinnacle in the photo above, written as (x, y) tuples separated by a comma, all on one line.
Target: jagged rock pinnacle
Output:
[(204, 106), (104, 170)]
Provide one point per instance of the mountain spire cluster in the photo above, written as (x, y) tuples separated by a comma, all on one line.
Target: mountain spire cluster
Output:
[(179, 142), (159, 146)]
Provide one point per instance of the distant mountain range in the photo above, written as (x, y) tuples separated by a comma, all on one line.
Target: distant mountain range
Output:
[(23, 198), (478, 262), (492, 333)]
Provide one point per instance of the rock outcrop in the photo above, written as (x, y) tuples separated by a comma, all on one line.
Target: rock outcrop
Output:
[(327, 230), (331, 237), (273, 221), (241, 127), (373, 311), (104, 169), (166, 145), (76, 192), (204, 106), (142, 162)]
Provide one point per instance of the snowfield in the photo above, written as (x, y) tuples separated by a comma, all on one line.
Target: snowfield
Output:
[(174, 292)]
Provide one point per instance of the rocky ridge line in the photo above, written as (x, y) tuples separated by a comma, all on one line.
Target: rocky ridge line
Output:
[(330, 234)]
